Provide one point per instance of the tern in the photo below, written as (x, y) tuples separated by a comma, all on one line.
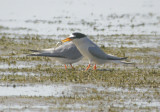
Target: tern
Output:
[(65, 53), (90, 50)]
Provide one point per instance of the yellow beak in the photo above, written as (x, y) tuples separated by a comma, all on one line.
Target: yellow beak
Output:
[(67, 39)]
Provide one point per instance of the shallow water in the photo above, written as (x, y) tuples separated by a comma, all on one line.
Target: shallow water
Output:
[(115, 96), (35, 90)]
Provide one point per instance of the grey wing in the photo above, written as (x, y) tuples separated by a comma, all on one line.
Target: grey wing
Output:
[(98, 53), (69, 51), (43, 50)]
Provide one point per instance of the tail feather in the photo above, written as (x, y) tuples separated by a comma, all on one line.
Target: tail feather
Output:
[(125, 62), (34, 50), (112, 57), (123, 58), (46, 55), (34, 55), (116, 58)]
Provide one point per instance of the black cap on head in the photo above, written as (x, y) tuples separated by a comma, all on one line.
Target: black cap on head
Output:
[(78, 35)]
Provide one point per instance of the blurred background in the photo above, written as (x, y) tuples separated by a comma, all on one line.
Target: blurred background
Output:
[(52, 18)]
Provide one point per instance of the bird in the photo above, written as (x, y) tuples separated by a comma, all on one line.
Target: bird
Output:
[(65, 53), (90, 50)]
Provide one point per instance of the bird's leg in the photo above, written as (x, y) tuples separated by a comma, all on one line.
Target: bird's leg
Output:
[(71, 66), (65, 66), (88, 67), (95, 67)]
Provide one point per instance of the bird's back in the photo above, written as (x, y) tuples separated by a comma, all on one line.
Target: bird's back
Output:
[(68, 50)]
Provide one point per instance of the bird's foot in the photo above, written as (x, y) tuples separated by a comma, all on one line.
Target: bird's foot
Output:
[(95, 67), (88, 67), (65, 66)]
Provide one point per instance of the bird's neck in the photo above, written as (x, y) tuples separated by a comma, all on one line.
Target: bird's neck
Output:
[(82, 45), (81, 42)]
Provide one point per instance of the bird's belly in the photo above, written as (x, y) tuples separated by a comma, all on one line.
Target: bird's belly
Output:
[(84, 51), (67, 61), (98, 60)]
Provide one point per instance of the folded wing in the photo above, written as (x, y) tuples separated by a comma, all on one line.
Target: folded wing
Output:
[(68, 50), (98, 53)]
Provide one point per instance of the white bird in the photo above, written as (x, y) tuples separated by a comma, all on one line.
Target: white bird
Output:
[(90, 50), (65, 54)]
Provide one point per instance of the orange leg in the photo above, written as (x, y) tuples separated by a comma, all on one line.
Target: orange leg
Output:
[(94, 68), (72, 66), (65, 66), (88, 67)]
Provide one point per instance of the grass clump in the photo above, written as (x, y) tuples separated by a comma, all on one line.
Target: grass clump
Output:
[(132, 78)]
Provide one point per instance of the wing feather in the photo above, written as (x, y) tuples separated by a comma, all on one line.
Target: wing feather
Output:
[(98, 53), (68, 50)]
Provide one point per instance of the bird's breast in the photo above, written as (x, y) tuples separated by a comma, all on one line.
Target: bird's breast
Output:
[(83, 45)]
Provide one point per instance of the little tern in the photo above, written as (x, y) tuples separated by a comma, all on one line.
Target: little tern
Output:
[(65, 54), (90, 50)]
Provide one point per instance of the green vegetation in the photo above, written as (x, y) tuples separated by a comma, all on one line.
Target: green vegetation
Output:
[(120, 78), (145, 71)]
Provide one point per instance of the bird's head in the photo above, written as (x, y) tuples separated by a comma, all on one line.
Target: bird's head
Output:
[(74, 36)]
